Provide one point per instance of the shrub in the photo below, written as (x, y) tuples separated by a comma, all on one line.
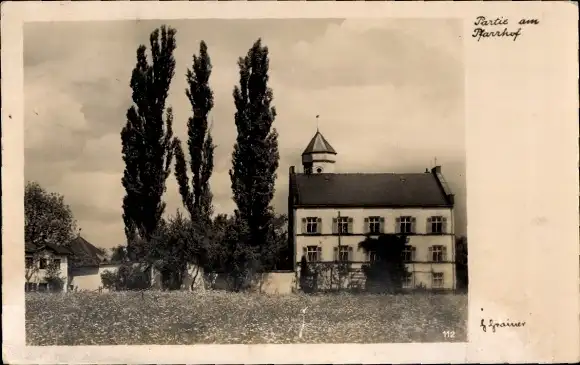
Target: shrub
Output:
[(53, 279), (109, 280), (306, 276), (128, 277)]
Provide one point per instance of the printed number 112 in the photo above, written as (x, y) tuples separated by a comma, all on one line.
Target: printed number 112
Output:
[(449, 334)]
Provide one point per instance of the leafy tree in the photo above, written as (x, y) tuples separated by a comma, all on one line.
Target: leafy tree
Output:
[(239, 260), (255, 157), (119, 254), (110, 280), (147, 139), (461, 263), (176, 245), (47, 218), (276, 255), (387, 272), (198, 198)]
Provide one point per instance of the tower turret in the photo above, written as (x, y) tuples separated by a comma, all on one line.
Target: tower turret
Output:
[(319, 156)]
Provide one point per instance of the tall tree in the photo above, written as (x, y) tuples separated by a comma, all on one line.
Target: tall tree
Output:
[(255, 157), (47, 218), (147, 138), (197, 199)]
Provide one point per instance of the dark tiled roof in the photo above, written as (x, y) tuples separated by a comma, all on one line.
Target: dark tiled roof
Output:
[(83, 248), (319, 144), (367, 190), (30, 248)]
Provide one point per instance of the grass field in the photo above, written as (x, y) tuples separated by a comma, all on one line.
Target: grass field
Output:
[(180, 318)]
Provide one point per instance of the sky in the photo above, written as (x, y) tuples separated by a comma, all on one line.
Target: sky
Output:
[(390, 95)]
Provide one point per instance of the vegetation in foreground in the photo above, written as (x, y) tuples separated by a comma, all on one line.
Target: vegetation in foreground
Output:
[(180, 318)]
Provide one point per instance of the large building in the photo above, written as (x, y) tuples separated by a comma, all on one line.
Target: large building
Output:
[(330, 213)]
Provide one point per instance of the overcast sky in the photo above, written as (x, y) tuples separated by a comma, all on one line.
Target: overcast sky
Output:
[(389, 95)]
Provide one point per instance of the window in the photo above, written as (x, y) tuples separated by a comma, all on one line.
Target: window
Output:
[(409, 253), (43, 264), (29, 262), (56, 263), (408, 280), (438, 253), (311, 225), (42, 286), (342, 225), (437, 280), (313, 253), (344, 253), (436, 225), (29, 287), (372, 255), (406, 225), (319, 170), (374, 225)]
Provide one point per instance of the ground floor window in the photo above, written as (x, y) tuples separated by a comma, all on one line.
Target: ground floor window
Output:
[(437, 280), (408, 280), (313, 253), (28, 287)]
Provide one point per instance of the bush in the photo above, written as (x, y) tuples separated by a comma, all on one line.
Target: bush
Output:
[(109, 280), (53, 279), (307, 282), (128, 277)]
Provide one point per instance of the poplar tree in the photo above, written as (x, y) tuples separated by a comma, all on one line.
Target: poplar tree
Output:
[(197, 198), (147, 138), (255, 157)]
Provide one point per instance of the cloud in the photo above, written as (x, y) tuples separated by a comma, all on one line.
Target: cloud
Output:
[(390, 96)]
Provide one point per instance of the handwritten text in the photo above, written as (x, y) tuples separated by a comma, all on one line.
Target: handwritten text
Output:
[(499, 27)]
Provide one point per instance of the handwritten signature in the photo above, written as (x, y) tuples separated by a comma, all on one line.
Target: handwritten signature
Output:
[(492, 325)]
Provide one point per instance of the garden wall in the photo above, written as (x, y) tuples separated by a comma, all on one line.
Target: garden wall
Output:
[(274, 282)]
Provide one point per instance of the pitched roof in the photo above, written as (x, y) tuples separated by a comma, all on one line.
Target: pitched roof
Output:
[(319, 144), (83, 248), (61, 250), (368, 190)]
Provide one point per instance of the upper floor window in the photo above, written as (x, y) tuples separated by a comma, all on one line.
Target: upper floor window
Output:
[(405, 224), (312, 253), (28, 262), (374, 225), (56, 263), (436, 224), (438, 253), (311, 225), (343, 253), (437, 279), (43, 263), (409, 253), (342, 225)]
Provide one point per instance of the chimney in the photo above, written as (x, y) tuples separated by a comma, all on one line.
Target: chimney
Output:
[(451, 198), (436, 169)]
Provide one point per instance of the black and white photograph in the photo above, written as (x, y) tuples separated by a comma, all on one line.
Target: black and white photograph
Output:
[(283, 181), (278, 181)]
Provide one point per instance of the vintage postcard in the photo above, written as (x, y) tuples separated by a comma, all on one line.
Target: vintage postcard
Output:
[(290, 182)]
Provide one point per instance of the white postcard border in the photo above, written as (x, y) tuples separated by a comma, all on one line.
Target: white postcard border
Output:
[(521, 115)]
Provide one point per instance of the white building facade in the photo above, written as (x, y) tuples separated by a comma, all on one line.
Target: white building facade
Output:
[(330, 214), (42, 260)]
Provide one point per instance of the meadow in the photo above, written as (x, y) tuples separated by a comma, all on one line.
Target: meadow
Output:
[(180, 318)]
